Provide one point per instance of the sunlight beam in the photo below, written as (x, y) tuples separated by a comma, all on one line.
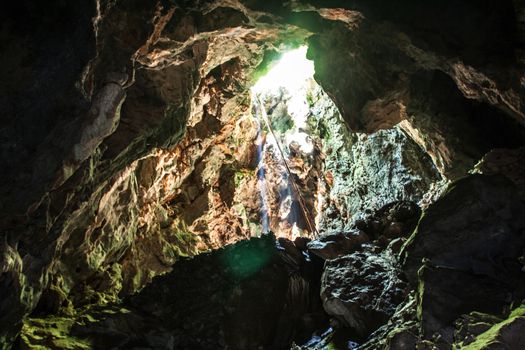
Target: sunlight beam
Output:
[(291, 72)]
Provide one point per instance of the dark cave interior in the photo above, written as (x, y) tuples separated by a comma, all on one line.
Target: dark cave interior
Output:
[(246, 174)]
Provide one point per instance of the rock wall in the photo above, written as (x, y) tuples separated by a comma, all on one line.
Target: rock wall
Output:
[(105, 195), (366, 171), (125, 142), (420, 65), (245, 296)]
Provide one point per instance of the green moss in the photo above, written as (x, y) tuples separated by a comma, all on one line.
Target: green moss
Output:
[(413, 236), (491, 336), (239, 176), (485, 318), (519, 311), (185, 243), (52, 332), (181, 242), (310, 98), (420, 292), (87, 319)]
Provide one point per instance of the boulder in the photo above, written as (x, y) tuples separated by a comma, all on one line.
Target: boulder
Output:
[(362, 290), (445, 294), (400, 332), (251, 295), (391, 221), (334, 245)]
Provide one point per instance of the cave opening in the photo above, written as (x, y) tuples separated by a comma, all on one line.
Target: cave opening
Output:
[(286, 146)]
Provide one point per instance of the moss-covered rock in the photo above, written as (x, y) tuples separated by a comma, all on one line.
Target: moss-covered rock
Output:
[(507, 334)]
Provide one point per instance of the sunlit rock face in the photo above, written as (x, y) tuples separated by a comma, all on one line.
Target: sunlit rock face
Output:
[(446, 85), (334, 172), (136, 170), (365, 172)]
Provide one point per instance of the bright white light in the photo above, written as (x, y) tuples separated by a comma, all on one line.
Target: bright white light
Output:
[(291, 72), (304, 141)]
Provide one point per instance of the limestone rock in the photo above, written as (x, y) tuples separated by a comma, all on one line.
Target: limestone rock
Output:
[(446, 293), (400, 332), (507, 162), (246, 296), (394, 220), (130, 103), (506, 334), (335, 245), (391, 68), (391, 223), (467, 247), (480, 217), (125, 147), (366, 171), (362, 290)]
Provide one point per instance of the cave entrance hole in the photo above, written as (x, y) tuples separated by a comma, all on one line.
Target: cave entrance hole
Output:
[(289, 152)]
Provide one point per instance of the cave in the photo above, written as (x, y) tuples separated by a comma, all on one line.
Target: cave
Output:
[(246, 174)]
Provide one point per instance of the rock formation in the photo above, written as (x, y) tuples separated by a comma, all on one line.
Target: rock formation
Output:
[(132, 160)]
